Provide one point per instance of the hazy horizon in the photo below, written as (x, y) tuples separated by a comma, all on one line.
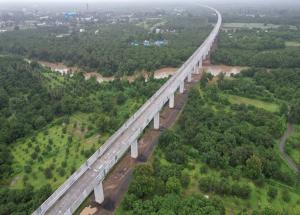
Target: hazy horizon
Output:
[(80, 4), (150, 1)]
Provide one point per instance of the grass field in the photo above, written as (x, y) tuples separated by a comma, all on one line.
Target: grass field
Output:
[(61, 147), (262, 26), (150, 24), (52, 79), (292, 44), (55, 152), (249, 25), (258, 199), (272, 107)]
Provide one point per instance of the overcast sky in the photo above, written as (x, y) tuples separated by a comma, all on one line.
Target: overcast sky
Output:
[(247, 2), (85, 1)]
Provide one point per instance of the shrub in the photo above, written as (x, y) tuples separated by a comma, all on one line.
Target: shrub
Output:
[(61, 172), (203, 169), (27, 169), (48, 173), (272, 192), (285, 196)]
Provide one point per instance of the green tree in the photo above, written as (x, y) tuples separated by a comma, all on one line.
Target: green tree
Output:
[(254, 167), (272, 192), (173, 185)]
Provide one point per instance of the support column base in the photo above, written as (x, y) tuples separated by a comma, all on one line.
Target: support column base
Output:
[(99, 195)]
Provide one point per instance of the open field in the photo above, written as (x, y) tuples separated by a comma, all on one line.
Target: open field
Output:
[(292, 44), (55, 152), (249, 25), (263, 26), (272, 107), (150, 24), (258, 199)]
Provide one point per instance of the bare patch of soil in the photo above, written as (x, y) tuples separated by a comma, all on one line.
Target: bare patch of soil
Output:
[(88, 211), (15, 180), (227, 70)]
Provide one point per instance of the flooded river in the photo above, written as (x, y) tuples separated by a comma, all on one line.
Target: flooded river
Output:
[(158, 74)]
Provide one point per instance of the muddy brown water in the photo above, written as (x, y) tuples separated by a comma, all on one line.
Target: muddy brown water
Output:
[(158, 74)]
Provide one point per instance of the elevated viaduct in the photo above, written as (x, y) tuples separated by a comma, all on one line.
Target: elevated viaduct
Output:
[(88, 178)]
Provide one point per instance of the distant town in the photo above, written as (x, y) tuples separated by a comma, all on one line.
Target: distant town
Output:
[(77, 20)]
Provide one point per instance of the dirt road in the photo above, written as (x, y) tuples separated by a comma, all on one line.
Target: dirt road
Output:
[(293, 166)]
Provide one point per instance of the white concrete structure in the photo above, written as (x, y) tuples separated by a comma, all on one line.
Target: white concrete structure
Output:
[(88, 178), (156, 121), (134, 149), (171, 101), (98, 191), (181, 87), (189, 77)]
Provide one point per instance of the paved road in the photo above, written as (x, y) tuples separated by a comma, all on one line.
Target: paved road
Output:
[(283, 153)]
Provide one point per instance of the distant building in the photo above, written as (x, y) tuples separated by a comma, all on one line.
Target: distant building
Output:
[(68, 15), (161, 42), (134, 44), (62, 35), (44, 17), (146, 43), (41, 24), (88, 19)]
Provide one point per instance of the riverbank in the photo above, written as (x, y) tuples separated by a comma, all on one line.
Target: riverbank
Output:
[(158, 74)]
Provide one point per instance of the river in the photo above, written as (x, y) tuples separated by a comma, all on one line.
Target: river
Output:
[(158, 74)]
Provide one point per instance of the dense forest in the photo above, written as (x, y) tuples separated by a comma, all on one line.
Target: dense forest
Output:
[(269, 85), (258, 48), (34, 104), (25, 105), (111, 51), (157, 190), (277, 16), (223, 149)]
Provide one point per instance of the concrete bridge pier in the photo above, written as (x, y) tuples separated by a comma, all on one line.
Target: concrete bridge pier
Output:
[(181, 87), (98, 191), (195, 69), (189, 77), (134, 149), (199, 66), (68, 212), (156, 121), (171, 101)]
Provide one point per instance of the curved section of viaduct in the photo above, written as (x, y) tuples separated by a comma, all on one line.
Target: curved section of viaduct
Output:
[(88, 178)]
